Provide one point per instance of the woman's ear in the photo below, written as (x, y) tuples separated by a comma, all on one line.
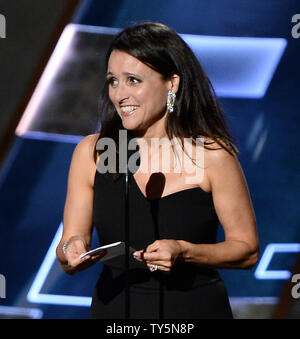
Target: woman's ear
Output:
[(174, 83)]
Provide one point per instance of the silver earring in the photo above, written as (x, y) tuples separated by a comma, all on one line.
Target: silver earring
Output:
[(171, 101)]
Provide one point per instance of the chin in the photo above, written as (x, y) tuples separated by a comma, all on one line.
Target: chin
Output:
[(130, 125)]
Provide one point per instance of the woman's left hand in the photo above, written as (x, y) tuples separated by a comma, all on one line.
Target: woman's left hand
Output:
[(163, 253)]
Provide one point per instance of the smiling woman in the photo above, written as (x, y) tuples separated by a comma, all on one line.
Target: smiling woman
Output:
[(157, 90), (138, 93)]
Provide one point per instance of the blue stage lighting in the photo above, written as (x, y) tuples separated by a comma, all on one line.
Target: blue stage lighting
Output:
[(35, 296), (262, 271)]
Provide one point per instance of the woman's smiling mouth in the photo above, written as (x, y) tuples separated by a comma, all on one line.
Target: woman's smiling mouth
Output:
[(128, 110)]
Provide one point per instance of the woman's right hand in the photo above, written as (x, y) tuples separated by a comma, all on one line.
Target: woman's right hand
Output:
[(75, 247)]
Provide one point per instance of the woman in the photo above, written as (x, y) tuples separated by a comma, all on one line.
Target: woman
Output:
[(156, 90)]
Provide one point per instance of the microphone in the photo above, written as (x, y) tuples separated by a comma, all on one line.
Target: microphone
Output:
[(125, 160), (128, 163), (129, 155), (131, 159)]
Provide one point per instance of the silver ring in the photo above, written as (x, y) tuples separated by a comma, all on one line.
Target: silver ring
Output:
[(153, 268)]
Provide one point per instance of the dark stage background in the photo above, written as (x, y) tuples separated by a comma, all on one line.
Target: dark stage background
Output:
[(257, 82)]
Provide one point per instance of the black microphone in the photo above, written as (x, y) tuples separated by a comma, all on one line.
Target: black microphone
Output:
[(154, 190), (130, 157)]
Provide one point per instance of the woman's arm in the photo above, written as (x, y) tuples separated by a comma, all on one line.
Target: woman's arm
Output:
[(236, 215), (78, 210), (235, 212)]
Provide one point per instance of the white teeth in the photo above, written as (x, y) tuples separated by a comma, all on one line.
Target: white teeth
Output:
[(127, 109)]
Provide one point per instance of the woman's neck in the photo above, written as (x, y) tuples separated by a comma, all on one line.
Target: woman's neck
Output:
[(155, 131)]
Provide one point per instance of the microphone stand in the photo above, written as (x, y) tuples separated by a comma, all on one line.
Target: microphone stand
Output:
[(127, 292), (128, 175)]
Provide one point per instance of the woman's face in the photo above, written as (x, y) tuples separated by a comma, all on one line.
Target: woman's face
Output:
[(138, 93)]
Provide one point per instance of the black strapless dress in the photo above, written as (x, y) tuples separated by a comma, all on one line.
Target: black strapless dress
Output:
[(188, 291)]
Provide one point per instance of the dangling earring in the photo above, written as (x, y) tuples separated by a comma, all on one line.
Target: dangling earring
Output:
[(171, 101)]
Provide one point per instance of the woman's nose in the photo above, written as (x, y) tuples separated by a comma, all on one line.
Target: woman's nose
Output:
[(120, 93)]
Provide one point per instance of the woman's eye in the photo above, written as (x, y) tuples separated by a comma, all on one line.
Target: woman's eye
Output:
[(112, 82), (133, 80)]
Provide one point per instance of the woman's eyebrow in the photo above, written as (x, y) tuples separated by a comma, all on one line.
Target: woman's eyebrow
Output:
[(124, 73), (129, 74)]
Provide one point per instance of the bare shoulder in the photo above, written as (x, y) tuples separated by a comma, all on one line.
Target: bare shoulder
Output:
[(216, 154), (83, 157), (220, 165), (87, 145)]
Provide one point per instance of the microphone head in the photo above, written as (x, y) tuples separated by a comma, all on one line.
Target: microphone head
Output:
[(134, 157), (129, 155), (121, 158)]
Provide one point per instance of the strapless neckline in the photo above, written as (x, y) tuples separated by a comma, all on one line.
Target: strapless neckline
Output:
[(170, 195)]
